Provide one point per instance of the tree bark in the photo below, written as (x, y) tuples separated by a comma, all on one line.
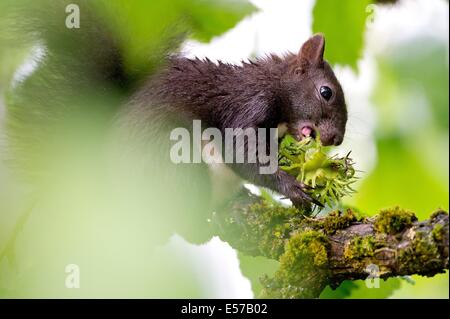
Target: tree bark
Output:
[(419, 248), (343, 245)]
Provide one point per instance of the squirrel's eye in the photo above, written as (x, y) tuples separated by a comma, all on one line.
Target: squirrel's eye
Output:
[(326, 92)]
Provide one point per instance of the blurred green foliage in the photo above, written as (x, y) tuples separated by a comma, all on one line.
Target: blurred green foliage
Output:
[(343, 24), (357, 289), (149, 26), (254, 268), (411, 97), (106, 217)]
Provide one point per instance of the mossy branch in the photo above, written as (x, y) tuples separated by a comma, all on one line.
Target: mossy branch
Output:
[(316, 252)]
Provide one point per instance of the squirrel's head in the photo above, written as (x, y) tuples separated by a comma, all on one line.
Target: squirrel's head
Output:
[(314, 97)]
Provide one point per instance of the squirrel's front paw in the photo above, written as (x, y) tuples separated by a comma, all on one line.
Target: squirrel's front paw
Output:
[(297, 192)]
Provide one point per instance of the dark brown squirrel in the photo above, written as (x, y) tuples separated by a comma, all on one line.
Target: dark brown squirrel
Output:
[(300, 90)]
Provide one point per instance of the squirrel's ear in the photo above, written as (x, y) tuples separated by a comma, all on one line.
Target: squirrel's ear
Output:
[(311, 53)]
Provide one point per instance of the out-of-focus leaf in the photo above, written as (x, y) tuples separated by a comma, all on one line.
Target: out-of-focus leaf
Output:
[(254, 268), (12, 52), (343, 291), (412, 97), (386, 289), (212, 18), (401, 178), (343, 23), (148, 28), (358, 290), (412, 88), (425, 287)]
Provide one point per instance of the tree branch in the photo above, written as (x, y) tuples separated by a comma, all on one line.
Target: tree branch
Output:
[(412, 248), (316, 252)]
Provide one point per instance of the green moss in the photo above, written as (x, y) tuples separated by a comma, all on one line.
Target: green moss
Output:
[(309, 243), (392, 221), (421, 256), (437, 213), (303, 267), (337, 220), (360, 247), (438, 232), (261, 228)]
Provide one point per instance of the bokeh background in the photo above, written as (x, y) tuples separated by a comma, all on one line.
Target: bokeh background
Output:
[(390, 56)]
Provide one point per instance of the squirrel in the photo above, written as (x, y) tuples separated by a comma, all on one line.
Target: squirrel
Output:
[(298, 90)]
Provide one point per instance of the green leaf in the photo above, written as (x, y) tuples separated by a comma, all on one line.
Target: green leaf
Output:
[(343, 291), (343, 24), (358, 290), (212, 18), (424, 287), (407, 74), (254, 268), (386, 289), (403, 179), (149, 28)]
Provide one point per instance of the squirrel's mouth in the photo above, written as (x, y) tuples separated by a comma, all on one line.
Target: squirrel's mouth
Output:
[(307, 131), (299, 131)]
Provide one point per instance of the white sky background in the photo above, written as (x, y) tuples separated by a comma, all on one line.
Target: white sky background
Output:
[(282, 26)]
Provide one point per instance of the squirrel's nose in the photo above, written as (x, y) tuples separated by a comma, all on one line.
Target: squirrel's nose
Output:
[(337, 140), (328, 139)]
